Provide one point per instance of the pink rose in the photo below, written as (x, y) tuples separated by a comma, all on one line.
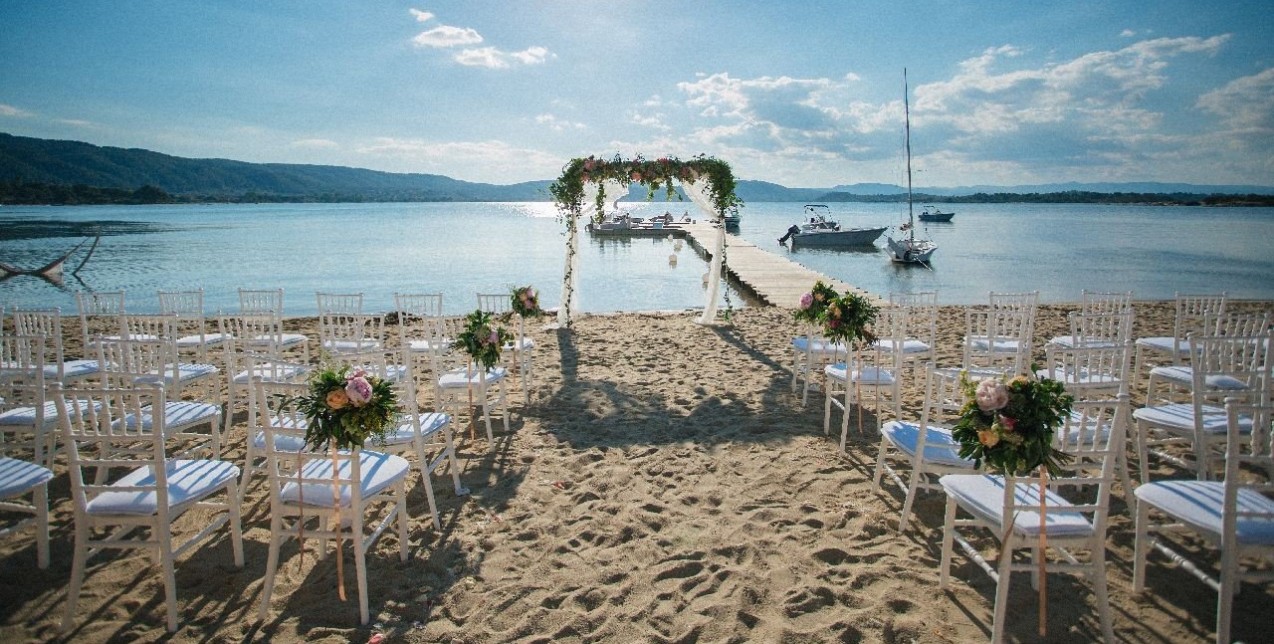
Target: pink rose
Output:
[(636, 176), (494, 337), (991, 395), (807, 300), (336, 399), (359, 390)]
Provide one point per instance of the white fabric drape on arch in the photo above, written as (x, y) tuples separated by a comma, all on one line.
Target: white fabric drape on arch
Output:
[(698, 193)]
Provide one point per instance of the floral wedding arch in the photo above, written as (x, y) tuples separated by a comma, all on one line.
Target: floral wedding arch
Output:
[(585, 183)]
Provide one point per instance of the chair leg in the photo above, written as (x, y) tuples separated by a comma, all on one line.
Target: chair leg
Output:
[(948, 539), (170, 577), (422, 461), (403, 520), (880, 464), (1005, 573), (40, 500), (844, 419), (360, 565), (233, 506), (913, 484), (77, 573), (1100, 591), (1225, 594), (827, 412), (271, 563), (453, 464), (1141, 546)]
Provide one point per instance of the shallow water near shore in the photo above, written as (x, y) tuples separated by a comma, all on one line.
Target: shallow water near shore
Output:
[(462, 248)]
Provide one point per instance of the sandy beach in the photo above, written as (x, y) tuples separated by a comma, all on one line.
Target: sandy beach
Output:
[(665, 485)]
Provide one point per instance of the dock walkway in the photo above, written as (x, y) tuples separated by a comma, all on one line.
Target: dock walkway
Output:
[(776, 280)]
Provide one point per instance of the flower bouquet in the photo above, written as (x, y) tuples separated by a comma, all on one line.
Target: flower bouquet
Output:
[(847, 319), (814, 303), (1009, 425), (482, 340), (526, 302), (344, 408)]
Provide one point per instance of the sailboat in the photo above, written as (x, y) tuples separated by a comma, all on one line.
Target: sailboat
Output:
[(909, 250)]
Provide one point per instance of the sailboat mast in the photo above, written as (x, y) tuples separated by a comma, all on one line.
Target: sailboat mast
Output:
[(906, 107)]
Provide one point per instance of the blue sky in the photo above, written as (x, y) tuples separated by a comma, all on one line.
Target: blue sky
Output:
[(806, 94)]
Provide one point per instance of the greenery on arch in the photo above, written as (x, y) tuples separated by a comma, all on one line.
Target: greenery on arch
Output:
[(656, 174)]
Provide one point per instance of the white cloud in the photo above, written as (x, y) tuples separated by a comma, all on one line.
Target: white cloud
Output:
[(558, 125), (11, 111), (465, 158), (493, 58), (421, 16), (654, 121), (315, 144), (1127, 33), (447, 36)]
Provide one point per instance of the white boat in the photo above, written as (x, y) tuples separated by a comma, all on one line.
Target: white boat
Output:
[(817, 229), (909, 250)]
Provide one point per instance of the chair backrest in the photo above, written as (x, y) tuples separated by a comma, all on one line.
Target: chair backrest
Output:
[(1026, 301), (1229, 365), (139, 326), (98, 308), (497, 303), (1191, 312), (277, 411), (45, 322), (1237, 324), (999, 338), (338, 303), (922, 308), (1090, 372), (346, 332), (183, 304), (1097, 302), (129, 363), (891, 330), (261, 301), (419, 308), (104, 428), (1099, 328)]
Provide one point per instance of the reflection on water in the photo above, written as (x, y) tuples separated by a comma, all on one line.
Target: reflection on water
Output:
[(16, 228)]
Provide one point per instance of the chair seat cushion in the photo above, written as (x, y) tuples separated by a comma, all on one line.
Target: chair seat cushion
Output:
[(818, 346), (525, 345), (378, 471), (186, 372), (405, 432), (1071, 342), (1081, 377), (909, 345), (72, 369), (276, 371), (1184, 375), (288, 437), (1165, 344), (1180, 416), (351, 345), (462, 378), (18, 476), (188, 481), (430, 346), (282, 339), (868, 375), (26, 416), (940, 448), (207, 340), (1200, 503), (982, 495), (996, 345), (178, 414)]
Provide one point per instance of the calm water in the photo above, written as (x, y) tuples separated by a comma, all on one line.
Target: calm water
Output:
[(460, 249)]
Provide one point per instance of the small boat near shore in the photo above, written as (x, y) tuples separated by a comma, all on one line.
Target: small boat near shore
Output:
[(909, 250), (818, 229), (932, 214)]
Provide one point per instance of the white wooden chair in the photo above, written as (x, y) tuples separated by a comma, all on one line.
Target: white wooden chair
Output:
[(1105, 302), (190, 322), (1094, 329), (422, 333), (114, 429), (522, 345), (48, 323), (925, 447), (1234, 516), (922, 328), (811, 353), (19, 478), (460, 388), (269, 302), (177, 375), (872, 371), (1175, 378), (351, 332), (1221, 367), (350, 303), (1009, 508), (131, 363), (99, 314), (1190, 313), (306, 489), (28, 419), (1096, 371)]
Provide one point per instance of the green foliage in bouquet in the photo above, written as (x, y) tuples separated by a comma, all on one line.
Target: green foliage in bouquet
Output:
[(482, 339), (814, 303), (1009, 425), (526, 302), (848, 319)]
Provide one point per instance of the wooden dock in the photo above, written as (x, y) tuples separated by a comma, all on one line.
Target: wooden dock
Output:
[(776, 280)]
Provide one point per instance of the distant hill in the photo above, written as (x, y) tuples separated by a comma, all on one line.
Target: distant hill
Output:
[(35, 168)]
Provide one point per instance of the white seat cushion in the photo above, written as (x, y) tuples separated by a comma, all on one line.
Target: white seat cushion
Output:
[(1082, 377), (526, 345), (208, 339), (351, 345), (999, 345), (818, 346), (283, 339), (1164, 344), (1068, 342), (405, 432), (909, 345), (378, 471), (18, 476), (26, 416), (1180, 416), (1184, 375), (289, 438), (188, 481), (186, 372), (1199, 504), (72, 369), (869, 375), (426, 346), (462, 379), (940, 448), (982, 495), (276, 371), (177, 414)]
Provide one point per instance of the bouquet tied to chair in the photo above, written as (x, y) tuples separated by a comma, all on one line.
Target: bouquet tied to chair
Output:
[(842, 318), (482, 339), (1009, 424), (345, 407), (525, 301)]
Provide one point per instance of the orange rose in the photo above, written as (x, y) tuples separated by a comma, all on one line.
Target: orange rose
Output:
[(988, 438), (336, 399)]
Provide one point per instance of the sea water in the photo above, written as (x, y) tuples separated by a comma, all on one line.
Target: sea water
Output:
[(459, 249)]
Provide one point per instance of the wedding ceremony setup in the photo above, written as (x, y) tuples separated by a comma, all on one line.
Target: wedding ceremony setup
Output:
[(825, 464)]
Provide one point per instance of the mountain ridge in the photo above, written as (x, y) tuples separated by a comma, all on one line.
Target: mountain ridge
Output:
[(70, 163)]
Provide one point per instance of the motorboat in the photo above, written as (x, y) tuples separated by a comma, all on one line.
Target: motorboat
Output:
[(818, 229), (909, 249), (732, 219), (929, 213)]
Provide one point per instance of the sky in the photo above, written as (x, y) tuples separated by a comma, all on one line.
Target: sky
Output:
[(804, 94)]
